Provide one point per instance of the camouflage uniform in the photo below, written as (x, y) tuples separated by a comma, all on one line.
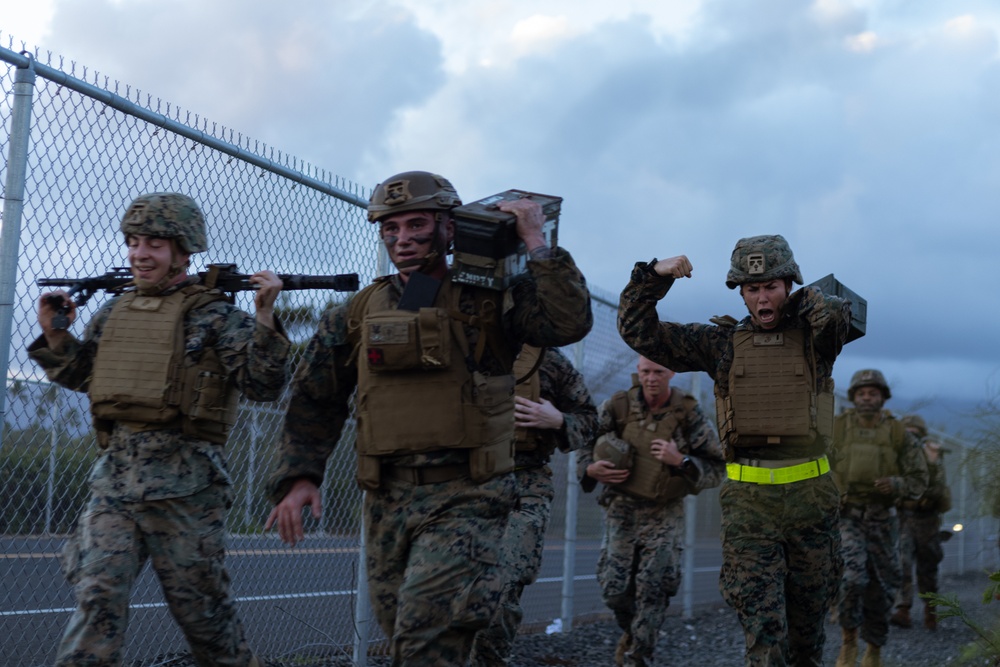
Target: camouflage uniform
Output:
[(524, 538), (920, 536), (639, 567), (869, 530), (780, 542), (162, 495), (432, 547)]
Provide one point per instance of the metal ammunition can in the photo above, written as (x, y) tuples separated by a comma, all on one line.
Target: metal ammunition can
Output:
[(488, 251)]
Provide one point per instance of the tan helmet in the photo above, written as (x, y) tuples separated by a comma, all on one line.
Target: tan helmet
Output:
[(915, 422), (613, 449), (758, 259), (868, 377), (412, 191), (167, 215)]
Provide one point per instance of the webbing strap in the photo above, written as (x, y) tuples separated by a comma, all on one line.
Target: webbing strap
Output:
[(742, 473)]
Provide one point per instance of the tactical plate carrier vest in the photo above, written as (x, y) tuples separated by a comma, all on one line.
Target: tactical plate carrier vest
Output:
[(866, 454), (416, 392), (529, 386), (139, 375), (649, 478), (772, 397)]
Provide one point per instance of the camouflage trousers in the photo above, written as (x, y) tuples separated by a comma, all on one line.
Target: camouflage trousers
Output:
[(920, 545), (184, 539), (781, 566), (433, 564), (521, 559), (639, 568), (870, 538)]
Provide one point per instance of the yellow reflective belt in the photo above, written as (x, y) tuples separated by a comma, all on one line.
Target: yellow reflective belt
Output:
[(741, 473)]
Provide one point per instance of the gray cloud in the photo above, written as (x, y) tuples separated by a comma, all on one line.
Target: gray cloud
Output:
[(310, 79), (867, 135)]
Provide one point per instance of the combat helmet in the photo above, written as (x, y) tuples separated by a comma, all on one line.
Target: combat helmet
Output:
[(614, 450), (412, 191), (868, 377), (167, 215), (758, 259), (917, 423)]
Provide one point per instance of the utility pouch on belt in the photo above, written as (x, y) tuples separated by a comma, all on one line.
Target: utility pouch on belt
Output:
[(369, 472), (401, 340), (489, 416)]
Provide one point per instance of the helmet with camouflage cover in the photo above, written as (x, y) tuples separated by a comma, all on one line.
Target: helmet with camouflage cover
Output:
[(167, 215), (916, 423), (613, 449), (412, 191), (868, 377), (758, 259)]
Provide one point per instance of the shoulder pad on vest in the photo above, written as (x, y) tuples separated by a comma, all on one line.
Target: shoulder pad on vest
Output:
[(724, 320)]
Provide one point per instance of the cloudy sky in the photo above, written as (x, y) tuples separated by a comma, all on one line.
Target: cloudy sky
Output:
[(867, 132)]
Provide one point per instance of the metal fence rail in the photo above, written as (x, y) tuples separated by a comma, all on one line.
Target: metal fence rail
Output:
[(75, 151)]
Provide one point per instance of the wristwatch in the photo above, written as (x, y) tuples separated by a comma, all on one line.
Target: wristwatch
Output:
[(687, 463)]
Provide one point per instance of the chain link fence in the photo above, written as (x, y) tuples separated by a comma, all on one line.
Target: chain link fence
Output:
[(76, 149)]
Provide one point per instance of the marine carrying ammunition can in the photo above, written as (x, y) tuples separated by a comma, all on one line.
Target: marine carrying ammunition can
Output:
[(488, 251), (859, 306)]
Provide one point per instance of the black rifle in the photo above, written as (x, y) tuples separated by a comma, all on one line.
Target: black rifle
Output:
[(222, 277)]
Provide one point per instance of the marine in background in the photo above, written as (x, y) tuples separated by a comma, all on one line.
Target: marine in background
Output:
[(877, 465), (553, 410), (654, 446), (920, 534)]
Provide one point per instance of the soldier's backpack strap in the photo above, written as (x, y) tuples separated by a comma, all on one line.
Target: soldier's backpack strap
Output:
[(619, 405), (534, 366), (488, 311)]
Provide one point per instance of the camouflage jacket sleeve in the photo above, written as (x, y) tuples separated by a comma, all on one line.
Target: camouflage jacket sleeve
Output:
[(913, 476), (553, 308), (319, 405), (254, 356), (937, 497), (680, 347), (705, 451), (562, 384)]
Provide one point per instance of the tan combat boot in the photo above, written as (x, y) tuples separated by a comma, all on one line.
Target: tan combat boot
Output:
[(872, 656), (848, 648), (930, 616), (901, 618), (623, 645)]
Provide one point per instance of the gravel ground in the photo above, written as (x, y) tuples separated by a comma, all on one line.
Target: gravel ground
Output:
[(713, 638)]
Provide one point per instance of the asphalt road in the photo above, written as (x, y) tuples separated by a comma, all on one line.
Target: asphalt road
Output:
[(292, 601)]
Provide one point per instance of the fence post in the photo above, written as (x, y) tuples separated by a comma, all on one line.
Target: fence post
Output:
[(50, 490), (572, 503), (690, 521), (13, 208), (362, 608)]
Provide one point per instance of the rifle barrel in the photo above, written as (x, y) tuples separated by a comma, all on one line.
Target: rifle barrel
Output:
[(345, 282)]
